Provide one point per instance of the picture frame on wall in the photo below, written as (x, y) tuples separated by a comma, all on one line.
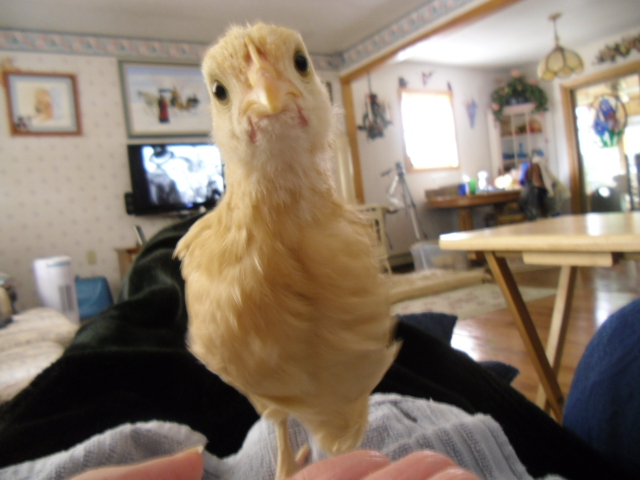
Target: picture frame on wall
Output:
[(42, 103), (165, 100)]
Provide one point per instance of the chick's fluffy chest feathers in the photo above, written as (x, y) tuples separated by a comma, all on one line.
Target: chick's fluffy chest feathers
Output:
[(273, 299)]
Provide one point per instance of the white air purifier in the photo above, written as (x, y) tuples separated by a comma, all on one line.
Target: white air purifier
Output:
[(56, 285)]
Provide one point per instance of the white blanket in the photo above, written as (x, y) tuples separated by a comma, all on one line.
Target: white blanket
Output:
[(31, 342), (398, 426)]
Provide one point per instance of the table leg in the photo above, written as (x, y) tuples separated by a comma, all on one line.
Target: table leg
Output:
[(559, 325), (504, 279), (465, 219)]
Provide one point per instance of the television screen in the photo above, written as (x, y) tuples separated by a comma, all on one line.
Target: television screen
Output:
[(175, 177)]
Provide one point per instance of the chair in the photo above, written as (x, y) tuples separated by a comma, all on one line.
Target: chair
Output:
[(374, 215)]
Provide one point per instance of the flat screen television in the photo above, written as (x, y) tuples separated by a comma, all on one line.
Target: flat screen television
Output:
[(174, 178)]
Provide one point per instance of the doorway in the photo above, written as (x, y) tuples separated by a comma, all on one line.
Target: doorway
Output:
[(604, 140)]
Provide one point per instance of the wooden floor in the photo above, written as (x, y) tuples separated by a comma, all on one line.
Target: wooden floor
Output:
[(598, 293)]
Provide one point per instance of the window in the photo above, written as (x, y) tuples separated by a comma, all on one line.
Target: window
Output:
[(429, 130)]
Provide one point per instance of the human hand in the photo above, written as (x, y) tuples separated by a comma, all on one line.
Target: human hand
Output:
[(369, 465), (187, 465)]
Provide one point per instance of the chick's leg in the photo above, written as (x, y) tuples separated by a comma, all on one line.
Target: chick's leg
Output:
[(287, 465)]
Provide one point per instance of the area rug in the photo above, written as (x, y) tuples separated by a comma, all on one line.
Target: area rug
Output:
[(467, 302), (432, 281)]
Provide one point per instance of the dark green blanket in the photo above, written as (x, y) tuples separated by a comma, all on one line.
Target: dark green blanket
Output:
[(130, 364)]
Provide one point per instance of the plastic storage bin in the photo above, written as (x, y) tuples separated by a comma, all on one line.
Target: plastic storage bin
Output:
[(56, 285), (428, 255)]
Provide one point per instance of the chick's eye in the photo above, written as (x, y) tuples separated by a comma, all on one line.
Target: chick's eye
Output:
[(301, 63), (220, 91)]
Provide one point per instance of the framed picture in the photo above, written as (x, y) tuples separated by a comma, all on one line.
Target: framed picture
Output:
[(164, 99), (42, 103)]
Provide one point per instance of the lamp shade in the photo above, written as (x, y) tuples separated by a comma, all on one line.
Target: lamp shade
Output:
[(560, 62)]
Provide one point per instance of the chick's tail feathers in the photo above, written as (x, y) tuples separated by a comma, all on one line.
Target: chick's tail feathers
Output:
[(341, 425), (343, 431)]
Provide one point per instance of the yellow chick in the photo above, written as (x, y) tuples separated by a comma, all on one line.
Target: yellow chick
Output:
[(284, 296)]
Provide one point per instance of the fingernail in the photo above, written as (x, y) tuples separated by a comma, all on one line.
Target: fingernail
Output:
[(199, 449)]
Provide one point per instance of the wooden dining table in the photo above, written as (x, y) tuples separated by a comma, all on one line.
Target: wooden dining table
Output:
[(463, 204), (570, 241)]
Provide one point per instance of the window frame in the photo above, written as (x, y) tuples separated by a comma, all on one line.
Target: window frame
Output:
[(407, 160)]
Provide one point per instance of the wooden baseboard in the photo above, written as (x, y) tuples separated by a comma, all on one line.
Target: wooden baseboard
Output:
[(399, 259)]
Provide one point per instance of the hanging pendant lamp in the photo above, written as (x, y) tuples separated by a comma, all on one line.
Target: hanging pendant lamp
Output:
[(560, 62)]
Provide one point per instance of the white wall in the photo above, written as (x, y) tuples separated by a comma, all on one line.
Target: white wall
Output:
[(381, 154), (64, 195)]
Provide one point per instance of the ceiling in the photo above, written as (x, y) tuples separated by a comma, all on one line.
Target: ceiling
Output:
[(522, 33), (518, 34)]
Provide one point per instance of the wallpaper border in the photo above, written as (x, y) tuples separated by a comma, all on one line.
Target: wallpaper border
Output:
[(127, 48), (405, 27), (121, 47)]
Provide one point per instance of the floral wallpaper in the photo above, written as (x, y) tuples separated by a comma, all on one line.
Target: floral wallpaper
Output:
[(64, 195)]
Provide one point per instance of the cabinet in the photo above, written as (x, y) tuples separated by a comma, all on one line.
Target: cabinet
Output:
[(517, 138)]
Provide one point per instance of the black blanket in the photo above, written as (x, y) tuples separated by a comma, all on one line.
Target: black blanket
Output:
[(130, 364)]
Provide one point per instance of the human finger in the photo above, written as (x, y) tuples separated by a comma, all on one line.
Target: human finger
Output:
[(350, 466), (420, 466), (187, 465), (454, 473)]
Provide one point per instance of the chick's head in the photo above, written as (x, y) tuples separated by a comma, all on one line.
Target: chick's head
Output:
[(266, 99)]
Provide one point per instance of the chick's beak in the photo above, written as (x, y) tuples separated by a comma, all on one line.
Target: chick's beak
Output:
[(269, 91)]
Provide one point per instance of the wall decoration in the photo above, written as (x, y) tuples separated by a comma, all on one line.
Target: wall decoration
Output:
[(42, 103), (518, 90), (623, 48), (609, 119), (164, 99), (402, 82), (128, 48), (472, 109), (6, 65), (374, 120), (426, 77)]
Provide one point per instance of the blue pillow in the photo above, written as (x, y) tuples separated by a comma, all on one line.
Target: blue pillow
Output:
[(603, 405)]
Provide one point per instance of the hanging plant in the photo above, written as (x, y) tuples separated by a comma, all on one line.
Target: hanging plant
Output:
[(517, 91)]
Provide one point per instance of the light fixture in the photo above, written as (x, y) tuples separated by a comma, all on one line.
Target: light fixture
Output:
[(560, 62)]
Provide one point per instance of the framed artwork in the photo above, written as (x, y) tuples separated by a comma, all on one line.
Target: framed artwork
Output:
[(164, 99), (42, 103)]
